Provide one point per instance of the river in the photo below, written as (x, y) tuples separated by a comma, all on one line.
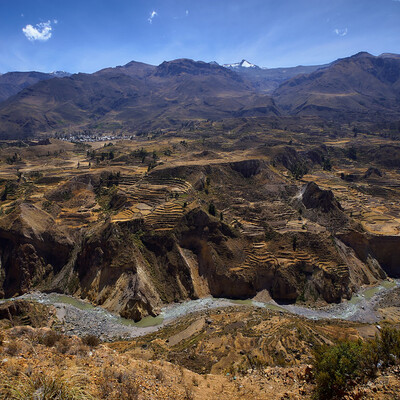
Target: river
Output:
[(81, 317)]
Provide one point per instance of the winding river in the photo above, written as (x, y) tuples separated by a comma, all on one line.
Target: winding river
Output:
[(80, 317)]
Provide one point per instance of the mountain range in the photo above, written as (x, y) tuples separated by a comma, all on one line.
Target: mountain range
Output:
[(13, 82), (266, 80), (140, 96)]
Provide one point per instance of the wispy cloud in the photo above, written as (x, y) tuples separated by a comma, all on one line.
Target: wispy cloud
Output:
[(341, 32), (152, 15), (187, 12), (41, 31)]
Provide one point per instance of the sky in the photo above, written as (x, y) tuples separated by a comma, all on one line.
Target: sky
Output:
[(87, 35)]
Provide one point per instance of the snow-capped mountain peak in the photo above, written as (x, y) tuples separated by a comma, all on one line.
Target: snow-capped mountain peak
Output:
[(60, 74), (246, 64), (242, 64)]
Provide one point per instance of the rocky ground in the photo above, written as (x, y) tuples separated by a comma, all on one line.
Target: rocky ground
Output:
[(224, 353)]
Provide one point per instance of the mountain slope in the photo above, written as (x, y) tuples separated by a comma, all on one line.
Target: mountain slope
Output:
[(361, 84), (13, 82), (266, 80), (135, 96)]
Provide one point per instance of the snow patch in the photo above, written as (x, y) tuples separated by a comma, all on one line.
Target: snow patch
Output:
[(242, 64)]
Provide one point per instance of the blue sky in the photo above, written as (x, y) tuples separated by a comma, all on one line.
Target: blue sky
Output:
[(87, 35)]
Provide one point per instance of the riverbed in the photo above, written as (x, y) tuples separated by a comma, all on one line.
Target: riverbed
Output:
[(81, 317)]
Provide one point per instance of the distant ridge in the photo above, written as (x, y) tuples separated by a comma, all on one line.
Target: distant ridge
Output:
[(362, 84), (135, 96), (138, 96), (13, 82)]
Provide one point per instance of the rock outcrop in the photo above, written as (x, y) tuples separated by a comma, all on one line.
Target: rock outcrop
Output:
[(376, 249), (32, 247), (316, 198)]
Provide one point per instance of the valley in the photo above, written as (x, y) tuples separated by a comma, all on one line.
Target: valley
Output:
[(200, 233)]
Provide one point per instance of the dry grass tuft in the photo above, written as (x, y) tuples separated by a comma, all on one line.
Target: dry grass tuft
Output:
[(24, 386), (118, 384)]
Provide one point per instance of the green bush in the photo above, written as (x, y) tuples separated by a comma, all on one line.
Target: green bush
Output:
[(388, 346), (336, 369), (339, 368), (298, 170), (211, 209)]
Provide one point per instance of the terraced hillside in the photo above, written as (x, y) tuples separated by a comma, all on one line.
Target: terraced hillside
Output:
[(136, 224)]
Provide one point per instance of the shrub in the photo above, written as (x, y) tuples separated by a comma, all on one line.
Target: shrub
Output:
[(388, 346), (117, 384), (339, 368), (49, 339), (326, 164), (12, 349), (91, 340), (298, 170), (211, 209), (336, 369), (352, 153), (63, 345)]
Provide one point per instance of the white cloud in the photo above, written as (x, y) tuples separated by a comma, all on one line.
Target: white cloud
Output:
[(187, 12), (152, 15), (41, 31), (55, 21), (341, 32)]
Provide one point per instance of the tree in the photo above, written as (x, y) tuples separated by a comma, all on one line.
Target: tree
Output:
[(298, 170), (211, 209), (352, 153), (326, 164), (294, 243)]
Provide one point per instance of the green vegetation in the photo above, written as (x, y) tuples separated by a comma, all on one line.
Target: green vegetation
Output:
[(207, 185), (298, 170), (211, 209), (13, 159), (35, 175), (352, 153), (9, 190), (142, 154), (326, 164), (110, 179), (294, 243), (339, 368)]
